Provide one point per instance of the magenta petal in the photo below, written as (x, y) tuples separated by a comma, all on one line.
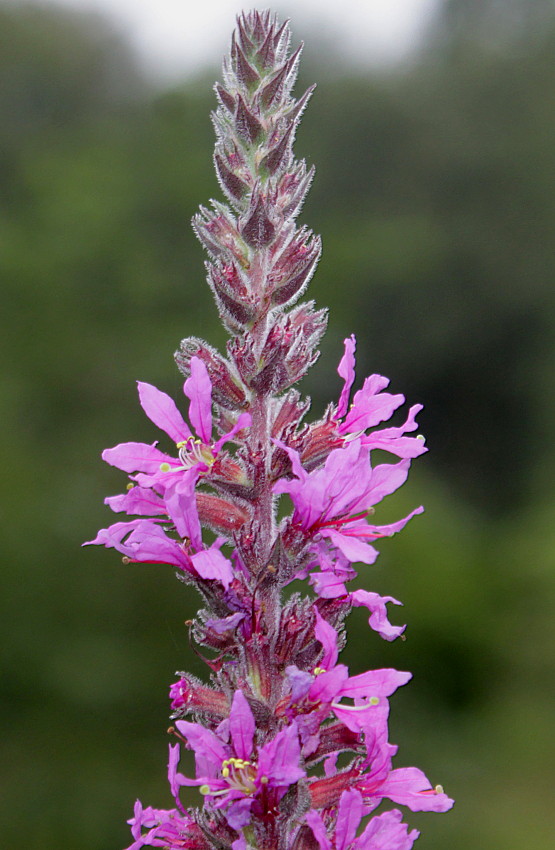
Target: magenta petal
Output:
[(326, 686), (386, 479), (112, 536), (279, 758), (198, 388), (348, 818), (327, 636), (211, 564), (355, 550), (386, 832), (379, 683), (149, 543), (209, 750), (346, 370), (181, 505), (409, 786), (162, 410), (371, 406), (136, 457), (394, 527), (238, 814), (139, 501), (241, 726), (315, 822), (243, 421), (239, 843), (174, 778), (378, 612)]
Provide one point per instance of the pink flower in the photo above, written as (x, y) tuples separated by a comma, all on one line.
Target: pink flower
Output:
[(384, 832), (370, 407), (155, 469), (232, 772), (164, 828), (314, 695), (334, 501)]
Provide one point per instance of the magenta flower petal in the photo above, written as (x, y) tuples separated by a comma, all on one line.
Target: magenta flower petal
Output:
[(162, 410), (371, 406), (410, 787), (349, 815), (378, 612), (315, 822), (140, 501), (354, 549), (238, 814), (243, 421), (149, 543), (241, 726), (181, 504), (113, 536), (279, 758), (346, 370), (239, 843), (327, 636), (175, 779), (198, 388), (379, 683), (386, 832), (136, 457), (209, 751), (211, 564)]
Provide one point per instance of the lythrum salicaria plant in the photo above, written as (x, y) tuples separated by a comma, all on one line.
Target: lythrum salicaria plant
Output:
[(291, 750)]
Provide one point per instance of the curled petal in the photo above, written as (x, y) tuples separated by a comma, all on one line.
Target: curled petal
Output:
[(378, 612), (346, 370)]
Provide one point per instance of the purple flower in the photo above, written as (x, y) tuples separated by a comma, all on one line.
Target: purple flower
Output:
[(407, 786), (155, 469), (144, 541), (332, 502), (164, 828), (232, 772), (371, 406), (314, 695), (384, 832)]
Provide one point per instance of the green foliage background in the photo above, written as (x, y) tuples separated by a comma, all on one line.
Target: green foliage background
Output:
[(434, 196)]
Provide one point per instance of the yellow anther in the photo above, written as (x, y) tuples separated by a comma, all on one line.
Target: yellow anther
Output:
[(130, 486), (319, 670), (439, 789), (204, 789), (225, 772), (165, 467), (421, 437), (374, 700), (181, 444), (264, 780)]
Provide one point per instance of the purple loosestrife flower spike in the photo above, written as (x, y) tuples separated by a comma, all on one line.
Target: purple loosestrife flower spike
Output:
[(278, 708)]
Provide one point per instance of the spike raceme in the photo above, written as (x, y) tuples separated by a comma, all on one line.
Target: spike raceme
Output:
[(278, 708)]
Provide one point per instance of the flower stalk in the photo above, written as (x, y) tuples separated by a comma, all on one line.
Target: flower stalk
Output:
[(278, 709)]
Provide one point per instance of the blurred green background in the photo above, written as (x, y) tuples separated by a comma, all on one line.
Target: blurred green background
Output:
[(435, 199)]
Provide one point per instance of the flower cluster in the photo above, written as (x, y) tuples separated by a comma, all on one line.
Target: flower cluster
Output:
[(291, 750)]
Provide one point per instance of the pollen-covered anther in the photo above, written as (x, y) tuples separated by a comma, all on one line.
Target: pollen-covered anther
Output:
[(318, 671), (439, 789)]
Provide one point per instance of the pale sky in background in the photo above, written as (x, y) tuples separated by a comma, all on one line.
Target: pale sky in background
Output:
[(175, 37)]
